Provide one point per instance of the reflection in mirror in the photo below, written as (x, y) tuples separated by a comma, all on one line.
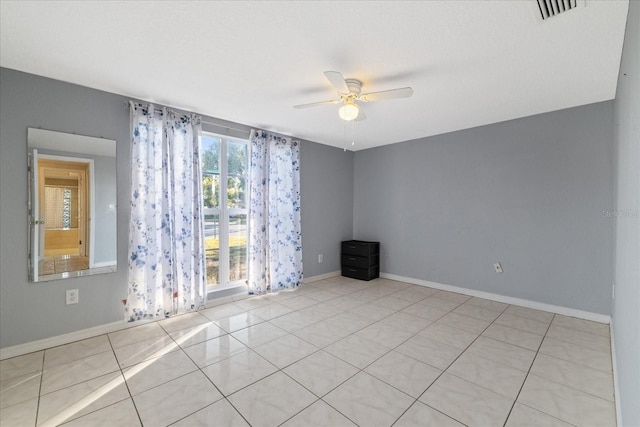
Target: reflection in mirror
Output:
[(72, 205)]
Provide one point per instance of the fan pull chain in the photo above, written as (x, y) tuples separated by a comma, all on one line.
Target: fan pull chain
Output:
[(353, 140), (344, 137)]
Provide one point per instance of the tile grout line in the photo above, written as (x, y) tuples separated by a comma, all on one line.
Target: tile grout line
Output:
[(360, 370), (226, 397), (198, 368), (124, 379), (571, 362), (527, 376), (318, 398), (321, 398), (40, 389), (445, 370), (111, 348)]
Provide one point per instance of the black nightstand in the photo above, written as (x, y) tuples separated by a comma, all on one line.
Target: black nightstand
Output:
[(360, 259)]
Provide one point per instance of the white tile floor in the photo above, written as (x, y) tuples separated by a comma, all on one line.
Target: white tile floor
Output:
[(338, 352)]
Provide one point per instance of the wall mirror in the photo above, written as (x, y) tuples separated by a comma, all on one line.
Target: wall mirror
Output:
[(72, 205)]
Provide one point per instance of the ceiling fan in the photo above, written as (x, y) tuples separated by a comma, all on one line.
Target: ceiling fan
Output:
[(350, 94)]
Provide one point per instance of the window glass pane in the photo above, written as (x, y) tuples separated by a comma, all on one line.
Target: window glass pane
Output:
[(210, 154), (236, 192), (211, 190), (54, 207), (237, 166), (212, 248), (237, 247), (237, 158), (74, 208)]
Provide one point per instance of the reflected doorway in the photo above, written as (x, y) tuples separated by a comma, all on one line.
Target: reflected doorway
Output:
[(64, 207)]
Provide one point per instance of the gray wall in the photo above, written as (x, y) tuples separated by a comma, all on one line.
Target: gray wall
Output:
[(326, 178), (32, 311), (626, 304), (527, 193), (105, 218)]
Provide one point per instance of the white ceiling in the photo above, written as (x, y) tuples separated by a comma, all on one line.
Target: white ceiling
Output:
[(470, 63)]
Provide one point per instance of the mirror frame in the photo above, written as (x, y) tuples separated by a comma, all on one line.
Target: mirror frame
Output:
[(69, 147)]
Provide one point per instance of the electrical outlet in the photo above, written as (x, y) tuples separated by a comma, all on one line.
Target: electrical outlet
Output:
[(320, 258), (72, 296), (497, 267)]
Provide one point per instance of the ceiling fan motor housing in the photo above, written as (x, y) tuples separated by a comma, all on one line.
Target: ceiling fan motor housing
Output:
[(355, 86)]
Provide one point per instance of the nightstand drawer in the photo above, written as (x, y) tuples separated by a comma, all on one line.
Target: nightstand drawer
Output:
[(359, 261), (360, 248), (361, 273)]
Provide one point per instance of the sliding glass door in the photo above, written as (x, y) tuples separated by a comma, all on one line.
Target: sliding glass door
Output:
[(225, 169)]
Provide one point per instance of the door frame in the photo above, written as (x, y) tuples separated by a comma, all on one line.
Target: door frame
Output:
[(89, 199)]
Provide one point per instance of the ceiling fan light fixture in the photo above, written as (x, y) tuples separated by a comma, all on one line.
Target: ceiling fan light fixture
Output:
[(350, 92), (349, 111)]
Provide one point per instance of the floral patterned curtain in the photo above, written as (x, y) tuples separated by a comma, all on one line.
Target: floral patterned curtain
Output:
[(166, 234), (275, 238)]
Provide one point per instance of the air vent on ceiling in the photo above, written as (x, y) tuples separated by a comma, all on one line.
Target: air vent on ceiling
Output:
[(550, 8)]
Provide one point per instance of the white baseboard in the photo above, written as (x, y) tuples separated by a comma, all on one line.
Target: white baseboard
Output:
[(321, 276), (587, 315), (614, 366), (30, 347)]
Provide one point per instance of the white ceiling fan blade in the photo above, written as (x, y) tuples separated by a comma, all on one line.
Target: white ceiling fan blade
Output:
[(315, 104), (404, 92), (361, 116), (338, 81)]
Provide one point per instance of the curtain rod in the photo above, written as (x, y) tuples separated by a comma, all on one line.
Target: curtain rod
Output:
[(221, 126), (247, 131)]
